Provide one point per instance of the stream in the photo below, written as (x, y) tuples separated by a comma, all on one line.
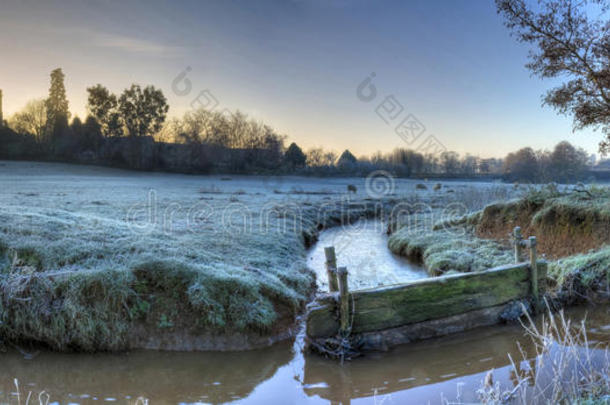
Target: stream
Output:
[(419, 373), (362, 248)]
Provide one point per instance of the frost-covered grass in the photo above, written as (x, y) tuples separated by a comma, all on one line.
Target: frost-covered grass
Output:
[(579, 275), (573, 219), (566, 222), (443, 251), (442, 238), (87, 253)]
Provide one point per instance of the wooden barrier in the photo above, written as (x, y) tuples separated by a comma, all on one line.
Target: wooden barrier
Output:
[(530, 243), (331, 268), (344, 328), (436, 306), (383, 308), (518, 243)]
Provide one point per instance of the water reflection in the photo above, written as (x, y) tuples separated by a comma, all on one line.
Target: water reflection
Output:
[(420, 364), (161, 376), (418, 373)]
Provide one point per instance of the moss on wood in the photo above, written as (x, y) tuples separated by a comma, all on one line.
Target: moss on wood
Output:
[(394, 306)]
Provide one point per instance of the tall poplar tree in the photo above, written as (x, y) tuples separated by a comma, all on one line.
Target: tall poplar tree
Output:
[(58, 113)]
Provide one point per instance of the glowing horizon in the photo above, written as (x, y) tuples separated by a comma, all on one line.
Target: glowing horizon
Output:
[(296, 65)]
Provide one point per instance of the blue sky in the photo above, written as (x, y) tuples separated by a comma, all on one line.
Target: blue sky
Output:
[(296, 65)]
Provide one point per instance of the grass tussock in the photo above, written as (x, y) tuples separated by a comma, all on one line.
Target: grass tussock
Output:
[(584, 276), (81, 310), (444, 251)]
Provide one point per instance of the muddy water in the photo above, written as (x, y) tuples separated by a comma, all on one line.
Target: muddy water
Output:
[(420, 373), (362, 248)]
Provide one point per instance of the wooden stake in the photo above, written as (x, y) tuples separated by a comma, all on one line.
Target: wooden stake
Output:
[(331, 268), (518, 240), (534, 270), (344, 297)]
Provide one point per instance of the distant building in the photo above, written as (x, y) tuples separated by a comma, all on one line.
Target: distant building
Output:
[(1, 116)]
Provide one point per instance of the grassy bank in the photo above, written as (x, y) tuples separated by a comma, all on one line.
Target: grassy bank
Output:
[(583, 276), (567, 222), (447, 251), (71, 294), (572, 228), (442, 237), (91, 257)]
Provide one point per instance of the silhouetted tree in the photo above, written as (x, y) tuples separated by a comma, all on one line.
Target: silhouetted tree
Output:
[(521, 165), (143, 110), (315, 157), (58, 112), (330, 158), (92, 135), (294, 157), (567, 163), (571, 39), (103, 106), (469, 165)]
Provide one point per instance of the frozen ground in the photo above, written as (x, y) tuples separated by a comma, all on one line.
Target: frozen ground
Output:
[(86, 217), (228, 241)]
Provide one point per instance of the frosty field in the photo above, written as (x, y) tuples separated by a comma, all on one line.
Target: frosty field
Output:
[(104, 259)]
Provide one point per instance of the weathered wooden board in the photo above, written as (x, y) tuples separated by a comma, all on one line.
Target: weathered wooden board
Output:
[(435, 298)]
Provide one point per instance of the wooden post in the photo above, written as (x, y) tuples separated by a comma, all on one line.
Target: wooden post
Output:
[(331, 268), (518, 240), (534, 271), (344, 297)]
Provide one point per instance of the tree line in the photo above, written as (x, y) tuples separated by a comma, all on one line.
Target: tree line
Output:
[(123, 130)]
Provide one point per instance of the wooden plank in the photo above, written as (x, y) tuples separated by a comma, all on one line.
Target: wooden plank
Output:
[(434, 298), (322, 316)]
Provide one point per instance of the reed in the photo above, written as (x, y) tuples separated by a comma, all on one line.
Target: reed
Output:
[(566, 368)]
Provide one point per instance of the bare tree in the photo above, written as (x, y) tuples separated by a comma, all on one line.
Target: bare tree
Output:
[(571, 40), (31, 120), (450, 161), (315, 157)]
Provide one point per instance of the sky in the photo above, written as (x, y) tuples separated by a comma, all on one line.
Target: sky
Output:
[(298, 65)]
